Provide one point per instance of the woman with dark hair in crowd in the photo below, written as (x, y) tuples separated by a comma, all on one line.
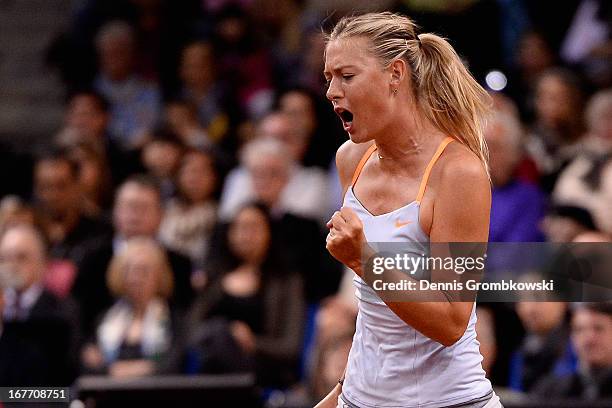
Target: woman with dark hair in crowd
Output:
[(251, 314), (191, 215), (322, 132)]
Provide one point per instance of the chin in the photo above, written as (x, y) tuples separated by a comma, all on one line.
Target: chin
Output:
[(358, 137)]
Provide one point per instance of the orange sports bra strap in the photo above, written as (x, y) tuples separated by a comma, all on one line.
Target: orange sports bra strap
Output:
[(433, 161), (362, 163)]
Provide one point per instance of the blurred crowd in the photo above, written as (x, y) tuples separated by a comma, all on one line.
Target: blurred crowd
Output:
[(175, 223)]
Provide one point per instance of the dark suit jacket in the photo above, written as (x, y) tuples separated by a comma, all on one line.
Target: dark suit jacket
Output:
[(575, 386), (86, 234), (93, 296), (22, 362), (49, 335)]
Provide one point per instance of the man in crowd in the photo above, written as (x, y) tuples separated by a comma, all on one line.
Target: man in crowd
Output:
[(46, 326), (591, 336)]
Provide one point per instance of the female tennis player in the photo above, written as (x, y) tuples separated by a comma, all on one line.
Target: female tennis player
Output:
[(414, 170)]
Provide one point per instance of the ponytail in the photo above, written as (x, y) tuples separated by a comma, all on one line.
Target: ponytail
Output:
[(449, 96)]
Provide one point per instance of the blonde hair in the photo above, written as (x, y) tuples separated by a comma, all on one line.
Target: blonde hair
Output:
[(447, 94), (115, 277)]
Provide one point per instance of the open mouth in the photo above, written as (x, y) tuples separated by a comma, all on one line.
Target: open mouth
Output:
[(346, 116)]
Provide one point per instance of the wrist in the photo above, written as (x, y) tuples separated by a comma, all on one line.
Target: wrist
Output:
[(366, 255), (337, 389)]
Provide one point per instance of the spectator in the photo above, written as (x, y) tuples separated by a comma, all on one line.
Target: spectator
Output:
[(204, 91), (137, 213), (591, 335), (45, 321), (587, 181), (87, 121), (252, 313), (242, 61), (57, 194), (558, 127), (517, 207), (303, 189), (161, 155), (533, 57), (136, 333), (545, 348), (189, 218), (135, 103), (93, 178), (22, 363), (321, 133)]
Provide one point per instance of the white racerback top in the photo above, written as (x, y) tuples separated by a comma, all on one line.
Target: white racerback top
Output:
[(390, 363)]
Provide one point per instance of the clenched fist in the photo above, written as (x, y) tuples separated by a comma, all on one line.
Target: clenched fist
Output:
[(346, 240)]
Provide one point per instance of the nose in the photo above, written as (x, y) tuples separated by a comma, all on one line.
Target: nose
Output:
[(333, 92)]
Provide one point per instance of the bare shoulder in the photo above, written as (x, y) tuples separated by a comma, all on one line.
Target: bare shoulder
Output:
[(347, 159), (462, 170), (462, 200)]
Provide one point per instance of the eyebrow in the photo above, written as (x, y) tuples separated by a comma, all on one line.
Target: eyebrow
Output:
[(340, 68)]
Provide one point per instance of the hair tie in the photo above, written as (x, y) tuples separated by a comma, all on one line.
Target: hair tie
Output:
[(417, 39)]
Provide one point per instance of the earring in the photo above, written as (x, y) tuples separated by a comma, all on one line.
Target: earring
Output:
[(395, 91)]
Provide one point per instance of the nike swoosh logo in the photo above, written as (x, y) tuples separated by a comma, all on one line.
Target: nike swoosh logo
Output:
[(400, 224)]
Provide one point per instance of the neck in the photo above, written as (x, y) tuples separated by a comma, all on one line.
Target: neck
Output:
[(139, 308), (405, 140)]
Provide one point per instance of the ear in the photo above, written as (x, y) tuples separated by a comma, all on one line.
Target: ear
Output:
[(398, 70)]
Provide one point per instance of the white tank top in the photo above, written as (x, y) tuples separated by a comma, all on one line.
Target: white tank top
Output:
[(390, 363)]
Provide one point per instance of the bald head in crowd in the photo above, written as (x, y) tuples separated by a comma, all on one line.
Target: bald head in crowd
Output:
[(503, 134), (269, 165), (23, 254)]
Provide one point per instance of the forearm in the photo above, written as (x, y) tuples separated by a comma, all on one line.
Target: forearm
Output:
[(440, 321), (441, 315)]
